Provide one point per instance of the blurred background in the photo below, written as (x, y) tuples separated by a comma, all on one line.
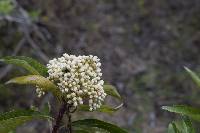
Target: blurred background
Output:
[(143, 46)]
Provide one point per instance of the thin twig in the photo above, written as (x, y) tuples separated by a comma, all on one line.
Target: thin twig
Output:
[(34, 45), (12, 19), (19, 46), (22, 11), (28, 28)]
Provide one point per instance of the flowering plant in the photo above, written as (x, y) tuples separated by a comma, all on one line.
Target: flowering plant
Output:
[(75, 81)]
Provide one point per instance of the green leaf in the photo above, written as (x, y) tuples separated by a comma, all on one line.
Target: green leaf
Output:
[(187, 125), (172, 128), (194, 76), (80, 131), (103, 108), (21, 63), (11, 120), (12, 132), (99, 124), (34, 14), (38, 80), (6, 6), (181, 126), (112, 91), (31, 65), (193, 113), (86, 129)]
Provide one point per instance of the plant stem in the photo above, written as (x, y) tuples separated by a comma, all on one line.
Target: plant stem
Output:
[(69, 124), (62, 110)]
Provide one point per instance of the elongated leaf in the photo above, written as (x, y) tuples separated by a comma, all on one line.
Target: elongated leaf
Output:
[(38, 80), (172, 128), (80, 131), (183, 126), (34, 63), (187, 125), (21, 63), (85, 129), (194, 113), (10, 120), (31, 65), (103, 108), (194, 76), (112, 91), (99, 124)]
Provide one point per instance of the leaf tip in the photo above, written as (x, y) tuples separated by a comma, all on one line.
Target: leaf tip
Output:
[(187, 69), (164, 107), (9, 82)]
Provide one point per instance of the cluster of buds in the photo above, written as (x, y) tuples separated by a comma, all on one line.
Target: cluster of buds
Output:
[(78, 78)]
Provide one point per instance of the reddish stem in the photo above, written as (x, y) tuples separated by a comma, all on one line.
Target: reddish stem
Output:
[(62, 111)]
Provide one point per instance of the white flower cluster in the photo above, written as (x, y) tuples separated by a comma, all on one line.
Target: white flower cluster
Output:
[(78, 78)]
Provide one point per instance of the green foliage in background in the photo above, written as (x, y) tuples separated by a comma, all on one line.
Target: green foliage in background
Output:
[(6, 6), (34, 14), (187, 113)]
